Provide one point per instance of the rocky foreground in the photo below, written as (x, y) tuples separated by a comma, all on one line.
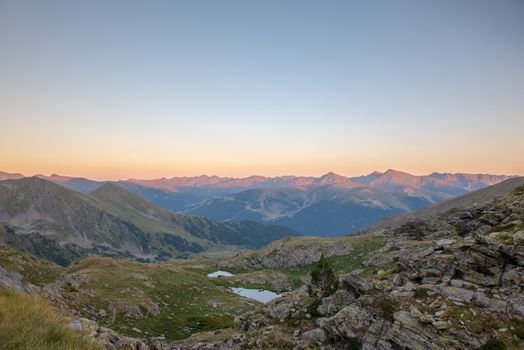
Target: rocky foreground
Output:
[(454, 282)]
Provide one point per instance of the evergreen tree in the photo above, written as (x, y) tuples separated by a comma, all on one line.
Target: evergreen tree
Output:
[(323, 278)]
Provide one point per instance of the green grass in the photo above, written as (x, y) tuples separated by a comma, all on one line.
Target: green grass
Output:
[(342, 264), (188, 300), (29, 322), (34, 270)]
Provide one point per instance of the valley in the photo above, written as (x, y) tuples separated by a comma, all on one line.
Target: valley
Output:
[(441, 276)]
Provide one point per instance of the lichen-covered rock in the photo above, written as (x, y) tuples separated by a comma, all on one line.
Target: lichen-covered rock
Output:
[(316, 335), (335, 302), (355, 284)]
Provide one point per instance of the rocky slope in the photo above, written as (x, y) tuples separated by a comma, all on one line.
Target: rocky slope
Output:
[(452, 281), (289, 252), (469, 200)]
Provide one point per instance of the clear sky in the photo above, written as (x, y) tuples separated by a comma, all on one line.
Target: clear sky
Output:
[(115, 89)]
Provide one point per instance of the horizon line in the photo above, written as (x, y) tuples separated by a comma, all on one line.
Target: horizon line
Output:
[(55, 174)]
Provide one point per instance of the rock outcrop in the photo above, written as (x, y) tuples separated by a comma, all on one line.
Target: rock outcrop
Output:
[(454, 281), (289, 252)]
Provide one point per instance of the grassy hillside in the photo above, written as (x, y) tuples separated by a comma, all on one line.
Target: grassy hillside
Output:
[(141, 213), (174, 299), (58, 224), (200, 231), (36, 271), (29, 322)]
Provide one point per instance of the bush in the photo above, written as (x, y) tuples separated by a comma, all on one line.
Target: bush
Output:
[(493, 344), (353, 344), (313, 305), (519, 190), (517, 327), (387, 308), (421, 293), (323, 278)]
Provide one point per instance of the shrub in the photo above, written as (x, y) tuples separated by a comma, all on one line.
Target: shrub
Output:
[(323, 277), (387, 308), (517, 327), (353, 344), (519, 190), (421, 293), (313, 305), (493, 344)]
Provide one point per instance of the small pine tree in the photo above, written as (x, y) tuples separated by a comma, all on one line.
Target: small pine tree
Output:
[(323, 278)]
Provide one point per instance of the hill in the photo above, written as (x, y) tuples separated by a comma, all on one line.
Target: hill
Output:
[(54, 222)]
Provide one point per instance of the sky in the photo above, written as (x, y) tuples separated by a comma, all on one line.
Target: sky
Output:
[(114, 89)]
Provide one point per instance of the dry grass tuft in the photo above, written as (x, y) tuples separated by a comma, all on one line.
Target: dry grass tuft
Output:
[(29, 322)]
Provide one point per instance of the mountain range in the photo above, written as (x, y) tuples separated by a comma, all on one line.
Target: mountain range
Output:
[(329, 205), (55, 222)]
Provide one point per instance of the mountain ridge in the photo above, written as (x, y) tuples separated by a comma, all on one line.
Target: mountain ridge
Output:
[(40, 214)]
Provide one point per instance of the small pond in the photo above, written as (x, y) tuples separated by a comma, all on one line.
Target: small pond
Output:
[(219, 273), (260, 295)]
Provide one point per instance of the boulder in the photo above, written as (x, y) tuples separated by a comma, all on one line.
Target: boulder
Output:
[(355, 284), (316, 335), (461, 295), (336, 302)]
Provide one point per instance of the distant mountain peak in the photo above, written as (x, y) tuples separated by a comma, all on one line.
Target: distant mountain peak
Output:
[(396, 172), (331, 176), (10, 176), (109, 187)]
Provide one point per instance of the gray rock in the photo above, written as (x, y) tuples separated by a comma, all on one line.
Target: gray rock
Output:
[(13, 280), (355, 284), (336, 302), (444, 242), (317, 335), (456, 294), (480, 299)]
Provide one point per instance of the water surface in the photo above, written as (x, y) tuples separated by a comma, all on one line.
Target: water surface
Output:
[(219, 273), (261, 295)]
